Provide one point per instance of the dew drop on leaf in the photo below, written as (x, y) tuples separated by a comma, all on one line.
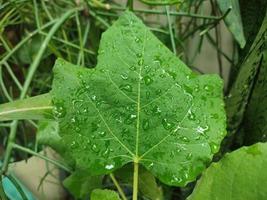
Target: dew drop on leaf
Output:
[(166, 124), (126, 87), (148, 80), (145, 124)]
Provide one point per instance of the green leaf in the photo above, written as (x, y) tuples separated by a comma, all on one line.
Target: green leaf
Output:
[(47, 134), (80, 184), (147, 182), (98, 194), (162, 2), (140, 104), (38, 107), (242, 87), (240, 175), (255, 120), (233, 19)]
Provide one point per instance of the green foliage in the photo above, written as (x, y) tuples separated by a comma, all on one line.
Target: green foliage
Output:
[(147, 182), (80, 184), (240, 175), (98, 194), (242, 87), (141, 113), (122, 112), (233, 19), (162, 2)]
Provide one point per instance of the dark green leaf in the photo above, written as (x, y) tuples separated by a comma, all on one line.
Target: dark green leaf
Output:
[(233, 19), (140, 104), (256, 114), (98, 194), (80, 184), (241, 89), (240, 175)]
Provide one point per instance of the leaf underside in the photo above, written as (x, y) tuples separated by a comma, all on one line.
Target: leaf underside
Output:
[(235, 177), (140, 104)]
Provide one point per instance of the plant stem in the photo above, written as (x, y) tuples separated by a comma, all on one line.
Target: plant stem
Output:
[(170, 30), (118, 187), (135, 181), (58, 164), (28, 80)]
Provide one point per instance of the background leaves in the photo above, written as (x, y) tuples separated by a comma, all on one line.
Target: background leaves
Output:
[(239, 175)]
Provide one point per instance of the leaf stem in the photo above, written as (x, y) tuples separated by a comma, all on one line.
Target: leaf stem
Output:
[(32, 69), (113, 178), (170, 30), (29, 151), (135, 181)]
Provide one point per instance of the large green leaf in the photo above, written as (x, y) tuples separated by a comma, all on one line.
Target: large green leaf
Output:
[(240, 175), (242, 87), (140, 104), (233, 19), (98, 194)]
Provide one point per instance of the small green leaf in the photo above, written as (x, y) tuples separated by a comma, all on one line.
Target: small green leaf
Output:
[(233, 19), (140, 104), (98, 194), (81, 184), (240, 175), (162, 2), (147, 182)]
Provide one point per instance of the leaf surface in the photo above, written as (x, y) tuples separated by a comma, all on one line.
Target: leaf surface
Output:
[(80, 184), (240, 175), (98, 194), (233, 19), (140, 104)]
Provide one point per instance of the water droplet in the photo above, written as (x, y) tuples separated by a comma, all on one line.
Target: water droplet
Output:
[(73, 145), (156, 110), (133, 68), (166, 124), (124, 76), (109, 167), (214, 147), (184, 139), (95, 148), (93, 97), (158, 91), (202, 130), (126, 87), (140, 62), (59, 111), (148, 80), (73, 120), (137, 40), (145, 124), (172, 74), (189, 156), (208, 88), (191, 115), (139, 55), (102, 133), (147, 94)]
